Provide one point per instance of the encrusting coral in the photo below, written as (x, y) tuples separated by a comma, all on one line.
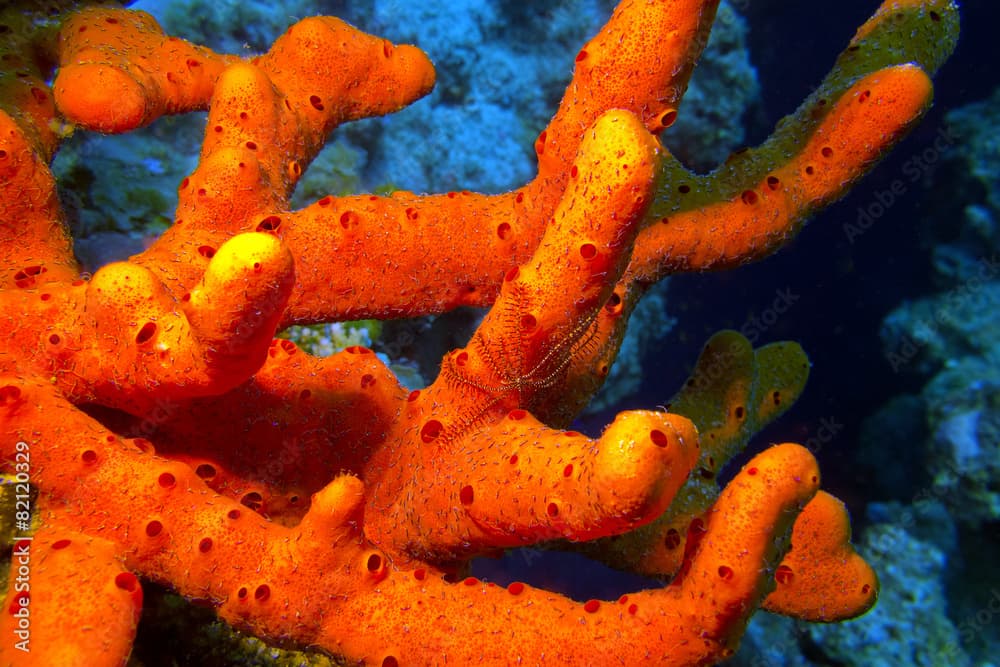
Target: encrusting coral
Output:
[(171, 437)]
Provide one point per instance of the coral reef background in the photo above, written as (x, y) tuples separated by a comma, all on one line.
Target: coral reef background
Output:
[(893, 292), (897, 310)]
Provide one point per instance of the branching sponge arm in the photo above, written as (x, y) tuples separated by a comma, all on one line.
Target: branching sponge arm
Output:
[(349, 598), (119, 71), (755, 202)]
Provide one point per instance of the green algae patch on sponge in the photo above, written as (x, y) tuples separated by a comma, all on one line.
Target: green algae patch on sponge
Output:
[(733, 392), (761, 197)]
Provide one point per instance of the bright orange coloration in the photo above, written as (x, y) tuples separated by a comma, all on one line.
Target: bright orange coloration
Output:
[(37, 249), (82, 578), (99, 72), (773, 202), (316, 500), (822, 578), (614, 70), (353, 601), (733, 393)]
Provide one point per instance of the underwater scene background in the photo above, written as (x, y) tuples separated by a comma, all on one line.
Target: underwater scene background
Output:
[(893, 292)]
